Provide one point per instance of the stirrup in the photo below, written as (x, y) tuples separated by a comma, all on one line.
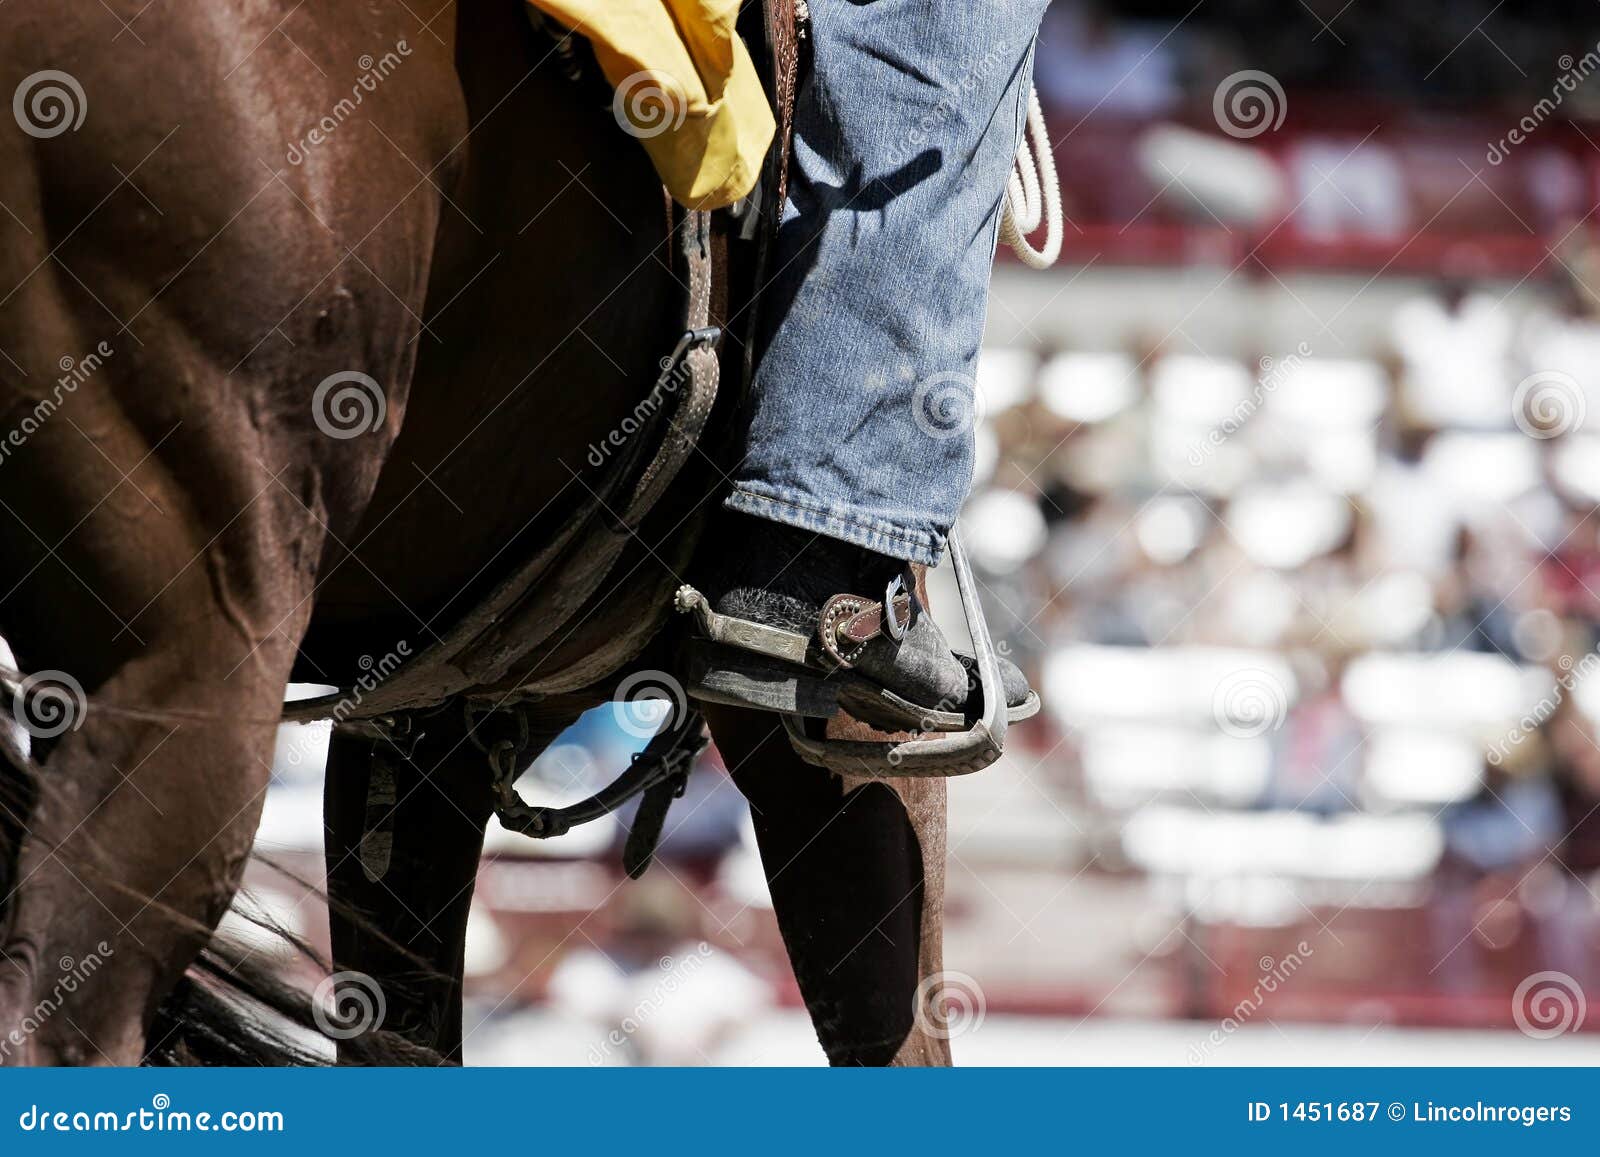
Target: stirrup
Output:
[(771, 678), (945, 754)]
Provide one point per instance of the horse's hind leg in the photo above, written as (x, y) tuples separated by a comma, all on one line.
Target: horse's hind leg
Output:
[(403, 830), (171, 297), (181, 634), (857, 878)]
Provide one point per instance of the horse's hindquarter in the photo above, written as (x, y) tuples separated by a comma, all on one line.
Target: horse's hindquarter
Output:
[(182, 263), (240, 214)]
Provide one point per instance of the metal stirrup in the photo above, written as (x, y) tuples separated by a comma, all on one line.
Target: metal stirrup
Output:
[(954, 753)]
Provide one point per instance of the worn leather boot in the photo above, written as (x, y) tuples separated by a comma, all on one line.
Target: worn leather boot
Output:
[(794, 622)]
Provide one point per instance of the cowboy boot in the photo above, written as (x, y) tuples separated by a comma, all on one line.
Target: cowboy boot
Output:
[(794, 622)]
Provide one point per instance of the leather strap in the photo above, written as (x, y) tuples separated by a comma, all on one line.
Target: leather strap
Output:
[(645, 834), (849, 622), (785, 26)]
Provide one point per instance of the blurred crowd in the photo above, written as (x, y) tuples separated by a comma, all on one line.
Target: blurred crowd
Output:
[(1321, 614), (1315, 621), (1145, 56)]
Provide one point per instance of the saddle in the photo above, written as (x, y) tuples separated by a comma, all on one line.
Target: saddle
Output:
[(483, 658)]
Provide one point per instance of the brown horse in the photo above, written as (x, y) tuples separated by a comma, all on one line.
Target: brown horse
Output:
[(210, 210)]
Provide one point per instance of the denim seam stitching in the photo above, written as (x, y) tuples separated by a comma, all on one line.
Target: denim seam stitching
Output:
[(920, 540)]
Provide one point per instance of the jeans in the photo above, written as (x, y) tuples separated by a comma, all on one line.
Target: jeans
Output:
[(864, 400)]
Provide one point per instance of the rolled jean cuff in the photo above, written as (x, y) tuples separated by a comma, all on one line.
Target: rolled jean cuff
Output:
[(798, 510)]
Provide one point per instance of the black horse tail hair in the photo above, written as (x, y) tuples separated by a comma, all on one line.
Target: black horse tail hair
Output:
[(234, 1008)]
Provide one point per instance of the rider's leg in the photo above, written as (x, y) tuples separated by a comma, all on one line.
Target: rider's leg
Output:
[(905, 131), (860, 445)]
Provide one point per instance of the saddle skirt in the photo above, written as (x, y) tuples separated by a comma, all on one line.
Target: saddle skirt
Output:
[(519, 625)]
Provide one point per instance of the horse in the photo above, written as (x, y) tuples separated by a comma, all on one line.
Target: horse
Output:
[(311, 319)]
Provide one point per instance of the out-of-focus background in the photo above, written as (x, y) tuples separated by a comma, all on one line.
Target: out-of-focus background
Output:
[(1287, 500)]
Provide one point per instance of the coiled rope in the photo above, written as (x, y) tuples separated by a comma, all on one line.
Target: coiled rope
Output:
[(1033, 193)]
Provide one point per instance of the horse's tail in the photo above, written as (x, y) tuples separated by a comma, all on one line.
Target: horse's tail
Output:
[(232, 1007)]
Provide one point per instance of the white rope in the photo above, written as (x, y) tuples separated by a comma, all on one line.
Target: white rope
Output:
[(1033, 194)]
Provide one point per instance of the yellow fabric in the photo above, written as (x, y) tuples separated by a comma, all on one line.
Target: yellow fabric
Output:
[(685, 87)]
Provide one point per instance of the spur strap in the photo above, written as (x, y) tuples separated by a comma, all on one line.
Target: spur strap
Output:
[(847, 624), (850, 622)]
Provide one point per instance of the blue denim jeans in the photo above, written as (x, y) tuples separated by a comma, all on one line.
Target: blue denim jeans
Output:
[(864, 399)]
